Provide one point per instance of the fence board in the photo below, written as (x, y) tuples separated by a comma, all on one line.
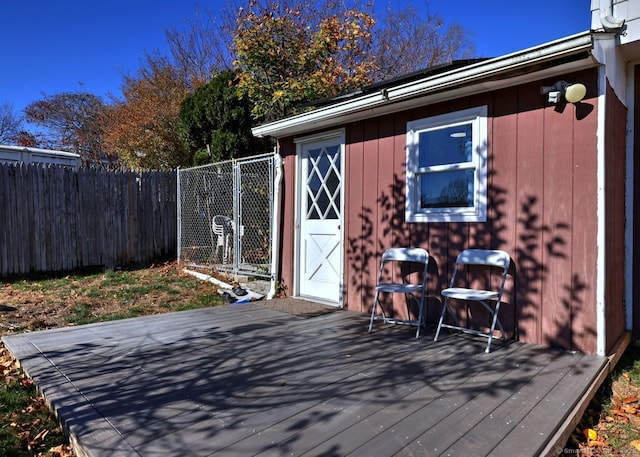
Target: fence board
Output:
[(3, 211), (59, 219)]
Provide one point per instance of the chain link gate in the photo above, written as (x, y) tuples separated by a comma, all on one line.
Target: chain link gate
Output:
[(226, 214)]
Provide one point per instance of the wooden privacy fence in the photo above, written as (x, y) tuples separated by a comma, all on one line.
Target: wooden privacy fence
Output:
[(58, 219)]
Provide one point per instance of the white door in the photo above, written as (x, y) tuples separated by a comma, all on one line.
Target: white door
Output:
[(320, 236)]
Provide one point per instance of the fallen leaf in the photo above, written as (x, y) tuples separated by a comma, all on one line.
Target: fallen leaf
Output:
[(41, 436), (590, 434), (631, 399), (635, 444), (619, 413)]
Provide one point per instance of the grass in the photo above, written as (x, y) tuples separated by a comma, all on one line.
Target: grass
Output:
[(82, 298), (611, 424), (27, 426)]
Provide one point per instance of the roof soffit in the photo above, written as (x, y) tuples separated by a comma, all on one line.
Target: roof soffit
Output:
[(557, 57)]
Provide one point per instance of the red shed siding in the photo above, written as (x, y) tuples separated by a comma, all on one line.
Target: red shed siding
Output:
[(615, 158), (542, 207), (288, 216), (636, 203)]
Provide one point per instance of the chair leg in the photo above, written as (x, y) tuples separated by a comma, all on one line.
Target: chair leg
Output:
[(441, 321), (373, 311), (420, 316), (226, 248), (493, 327)]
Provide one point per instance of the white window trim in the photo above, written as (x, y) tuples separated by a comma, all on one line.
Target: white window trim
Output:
[(478, 213)]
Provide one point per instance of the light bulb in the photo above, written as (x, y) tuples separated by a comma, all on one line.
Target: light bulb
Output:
[(575, 92)]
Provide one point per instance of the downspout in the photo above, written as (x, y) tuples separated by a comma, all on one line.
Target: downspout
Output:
[(609, 23), (601, 327), (275, 232)]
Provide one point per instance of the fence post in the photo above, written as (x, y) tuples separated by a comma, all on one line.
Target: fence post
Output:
[(178, 215), (237, 211)]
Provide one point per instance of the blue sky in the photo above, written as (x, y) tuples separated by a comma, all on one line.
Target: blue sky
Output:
[(48, 46)]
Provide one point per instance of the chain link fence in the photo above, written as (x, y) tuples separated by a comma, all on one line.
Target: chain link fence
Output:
[(225, 216)]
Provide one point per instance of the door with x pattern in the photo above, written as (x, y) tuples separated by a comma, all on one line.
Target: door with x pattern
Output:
[(320, 256)]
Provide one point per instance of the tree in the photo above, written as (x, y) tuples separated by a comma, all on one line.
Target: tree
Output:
[(70, 121), (215, 121), (292, 52), (201, 49), (26, 139), (406, 41), (10, 124), (143, 129)]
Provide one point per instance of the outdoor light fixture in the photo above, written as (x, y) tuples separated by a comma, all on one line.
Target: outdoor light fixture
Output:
[(572, 93)]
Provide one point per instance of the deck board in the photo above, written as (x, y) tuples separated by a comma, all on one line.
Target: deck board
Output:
[(248, 380)]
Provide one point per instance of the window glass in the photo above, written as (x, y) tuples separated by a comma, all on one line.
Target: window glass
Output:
[(323, 183), (447, 189), (445, 145)]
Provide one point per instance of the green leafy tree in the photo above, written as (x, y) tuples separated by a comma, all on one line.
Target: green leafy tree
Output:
[(215, 121), (292, 52)]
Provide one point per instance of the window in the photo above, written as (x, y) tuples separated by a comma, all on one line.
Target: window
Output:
[(446, 167)]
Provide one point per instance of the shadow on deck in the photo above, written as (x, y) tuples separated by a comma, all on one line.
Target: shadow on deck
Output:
[(252, 380)]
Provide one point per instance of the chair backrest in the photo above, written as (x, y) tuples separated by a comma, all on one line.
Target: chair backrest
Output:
[(489, 257), (417, 255), (413, 255), (221, 225), (486, 257)]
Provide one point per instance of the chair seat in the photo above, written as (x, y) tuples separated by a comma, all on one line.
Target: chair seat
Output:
[(469, 294), (398, 288)]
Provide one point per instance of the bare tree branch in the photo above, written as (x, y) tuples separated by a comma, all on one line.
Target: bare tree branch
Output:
[(10, 124)]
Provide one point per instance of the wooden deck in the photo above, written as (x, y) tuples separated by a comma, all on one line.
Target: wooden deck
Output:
[(249, 380)]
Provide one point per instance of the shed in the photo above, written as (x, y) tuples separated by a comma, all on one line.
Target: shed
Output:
[(550, 182), (22, 154)]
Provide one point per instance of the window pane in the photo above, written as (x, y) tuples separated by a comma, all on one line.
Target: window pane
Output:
[(445, 146), (451, 189), (323, 183)]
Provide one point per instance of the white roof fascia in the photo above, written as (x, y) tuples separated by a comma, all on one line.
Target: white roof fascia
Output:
[(8, 148), (455, 83)]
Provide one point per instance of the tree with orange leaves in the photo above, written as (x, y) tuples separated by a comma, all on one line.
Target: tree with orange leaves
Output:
[(143, 128)]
